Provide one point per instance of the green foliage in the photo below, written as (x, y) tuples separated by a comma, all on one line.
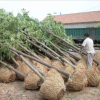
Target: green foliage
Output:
[(98, 25), (11, 33)]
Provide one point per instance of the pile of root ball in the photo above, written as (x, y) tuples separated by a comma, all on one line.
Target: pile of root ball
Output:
[(55, 84), (38, 53)]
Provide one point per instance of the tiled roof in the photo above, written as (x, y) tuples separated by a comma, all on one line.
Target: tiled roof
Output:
[(86, 17)]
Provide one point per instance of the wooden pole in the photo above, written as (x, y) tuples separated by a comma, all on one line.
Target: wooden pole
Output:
[(29, 63), (36, 72), (44, 63), (42, 45), (43, 50), (70, 44), (63, 53), (72, 55)]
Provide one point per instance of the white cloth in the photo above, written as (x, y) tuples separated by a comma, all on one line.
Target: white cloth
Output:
[(88, 45), (90, 59)]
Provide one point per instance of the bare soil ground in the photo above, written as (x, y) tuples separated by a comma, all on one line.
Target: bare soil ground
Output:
[(16, 91)]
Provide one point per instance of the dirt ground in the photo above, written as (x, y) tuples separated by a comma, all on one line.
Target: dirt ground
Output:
[(15, 91)]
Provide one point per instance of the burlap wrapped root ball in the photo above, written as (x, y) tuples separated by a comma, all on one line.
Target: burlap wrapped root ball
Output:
[(32, 81), (81, 64), (69, 70), (79, 56), (47, 60), (41, 67), (7, 75), (23, 68), (53, 87), (83, 57), (66, 65), (77, 81), (52, 72), (93, 76), (97, 56), (57, 64), (98, 67), (94, 64)]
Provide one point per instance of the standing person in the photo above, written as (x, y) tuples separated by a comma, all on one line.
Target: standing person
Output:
[(89, 48)]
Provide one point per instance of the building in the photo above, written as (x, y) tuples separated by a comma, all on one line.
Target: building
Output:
[(77, 24), (79, 20)]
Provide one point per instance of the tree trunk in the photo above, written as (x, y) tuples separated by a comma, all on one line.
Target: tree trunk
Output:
[(33, 54), (43, 50), (13, 59), (72, 55), (29, 63), (70, 45), (44, 63), (43, 45), (36, 72), (63, 53)]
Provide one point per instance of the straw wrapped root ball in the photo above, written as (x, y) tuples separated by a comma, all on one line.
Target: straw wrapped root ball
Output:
[(84, 57), (94, 64), (81, 64), (77, 81), (69, 70), (98, 67), (23, 68), (47, 60), (93, 76), (7, 75), (52, 72), (57, 64), (32, 81), (53, 87), (41, 67), (97, 56), (79, 56)]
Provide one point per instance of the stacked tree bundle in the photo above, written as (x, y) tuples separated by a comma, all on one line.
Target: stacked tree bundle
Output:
[(42, 61)]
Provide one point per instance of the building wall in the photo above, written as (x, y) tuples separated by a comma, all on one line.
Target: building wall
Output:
[(80, 25)]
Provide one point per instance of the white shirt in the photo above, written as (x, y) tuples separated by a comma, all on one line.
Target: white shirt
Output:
[(89, 45)]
